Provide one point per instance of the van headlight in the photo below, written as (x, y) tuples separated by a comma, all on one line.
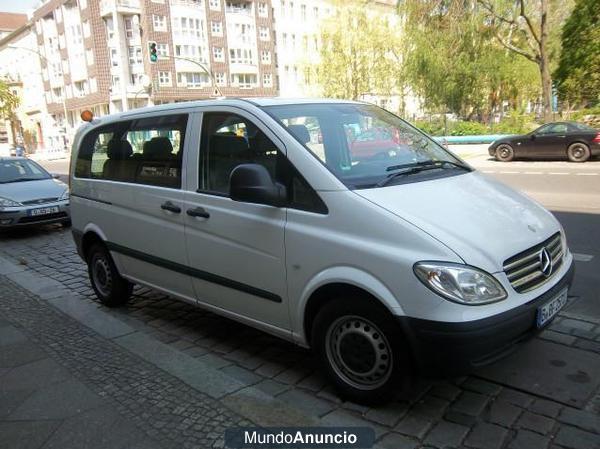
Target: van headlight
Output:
[(65, 196), (460, 283)]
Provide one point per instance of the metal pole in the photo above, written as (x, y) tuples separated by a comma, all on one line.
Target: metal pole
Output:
[(203, 67)]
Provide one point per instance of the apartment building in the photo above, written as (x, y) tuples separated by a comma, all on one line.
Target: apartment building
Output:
[(95, 54), (9, 22)]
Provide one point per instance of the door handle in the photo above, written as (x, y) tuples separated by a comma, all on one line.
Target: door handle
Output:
[(198, 212), (170, 207)]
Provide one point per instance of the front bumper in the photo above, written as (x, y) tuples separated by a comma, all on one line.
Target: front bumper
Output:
[(458, 348), (16, 217), (492, 150)]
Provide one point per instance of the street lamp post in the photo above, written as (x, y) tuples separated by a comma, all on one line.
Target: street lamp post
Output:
[(64, 99)]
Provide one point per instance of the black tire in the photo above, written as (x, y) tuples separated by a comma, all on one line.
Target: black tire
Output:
[(505, 153), (578, 152), (110, 288), (345, 326)]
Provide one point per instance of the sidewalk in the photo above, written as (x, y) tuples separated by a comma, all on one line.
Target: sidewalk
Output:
[(64, 386)]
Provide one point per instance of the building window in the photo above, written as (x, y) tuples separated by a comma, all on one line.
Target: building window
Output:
[(114, 57), (135, 55), (220, 78), (267, 80), (132, 31), (192, 79), (239, 6), (164, 79), (263, 33), (263, 10), (316, 12), (214, 4), (190, 51), (136, 79), (303, 12), (243, 80), (218, 54), (115, 82), (89, 56), (291, 12), (159, 22), (240, 56), (83, 4), (110, 29), (80, 88), (86, 28), (216, 28), (265, 57), (162, 50), (57, 93), (187, 27)]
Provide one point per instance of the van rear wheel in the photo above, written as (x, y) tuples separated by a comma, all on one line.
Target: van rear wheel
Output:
[(361, 349), (110, 287)]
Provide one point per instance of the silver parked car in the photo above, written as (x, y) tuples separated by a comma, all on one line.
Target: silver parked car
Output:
[(30, 195)]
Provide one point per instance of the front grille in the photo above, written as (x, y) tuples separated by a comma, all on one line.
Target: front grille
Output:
[(43, 217), (524, 270), (39, 201)]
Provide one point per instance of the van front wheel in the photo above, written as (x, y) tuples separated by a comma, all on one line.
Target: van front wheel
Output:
[(362, 350), (110, 288)]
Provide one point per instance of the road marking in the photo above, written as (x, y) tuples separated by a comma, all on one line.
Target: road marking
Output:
[(558, 173), (510, 172), (587, 174), (582, 257), (488, 171), (533, 173)]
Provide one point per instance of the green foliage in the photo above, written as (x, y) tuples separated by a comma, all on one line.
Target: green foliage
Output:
[(469, 129), (511, 124), (456, 64), (8, 101), (578, 73), (579, 115), (360, 53)]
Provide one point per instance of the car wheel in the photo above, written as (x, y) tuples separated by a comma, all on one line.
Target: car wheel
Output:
[(505, 153), (110, 288), (578, 152), (361, 348)]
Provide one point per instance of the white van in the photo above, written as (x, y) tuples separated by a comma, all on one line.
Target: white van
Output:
[(332, 224)]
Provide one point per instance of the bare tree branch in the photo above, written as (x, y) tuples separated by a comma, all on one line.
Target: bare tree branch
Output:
[(511, 47), (528, 21)]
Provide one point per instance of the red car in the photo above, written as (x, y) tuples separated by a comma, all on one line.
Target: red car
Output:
[(373, 142)]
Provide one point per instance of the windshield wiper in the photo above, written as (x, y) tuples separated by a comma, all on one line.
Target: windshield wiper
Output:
[(417, 167), (23, 180)]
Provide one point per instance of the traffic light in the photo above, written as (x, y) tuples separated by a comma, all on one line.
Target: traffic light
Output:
[(152, 54)]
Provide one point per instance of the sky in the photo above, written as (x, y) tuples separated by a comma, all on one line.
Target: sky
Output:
[(17, 5)]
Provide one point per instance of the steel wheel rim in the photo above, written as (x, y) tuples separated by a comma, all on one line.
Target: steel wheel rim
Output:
[(102, 276), (504, 152), (577, 151), (359, 352)]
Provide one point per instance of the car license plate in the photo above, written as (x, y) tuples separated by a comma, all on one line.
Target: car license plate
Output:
[(551, 308), (42, 211)]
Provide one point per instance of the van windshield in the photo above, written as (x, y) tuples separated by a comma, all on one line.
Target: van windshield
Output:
[(366, 146)]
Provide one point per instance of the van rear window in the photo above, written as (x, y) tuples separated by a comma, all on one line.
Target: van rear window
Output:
[(145, 151)]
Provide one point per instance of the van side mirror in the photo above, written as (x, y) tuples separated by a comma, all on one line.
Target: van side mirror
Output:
[(252, 183)]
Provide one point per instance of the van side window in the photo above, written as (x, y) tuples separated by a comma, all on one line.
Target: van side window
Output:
[(144, 151), (229, 140)]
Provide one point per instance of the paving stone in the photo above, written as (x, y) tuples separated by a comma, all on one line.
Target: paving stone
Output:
[(270, 369), (536, 423), (504, 413), (388, 414), (330, 394), (27, 434), (586, 345), (486, 436), (430, 407), (446, 391), (306, 402), (526, 439), (341, 417), (359, 408), (271, 387), (577, 324), (574, 438), (396, 441), (314, 382), (446, 435), (481, 386), (414, 426), (580, 418), (245, 376), (293, 375), (467, 408), (515, 397), (546, 408)]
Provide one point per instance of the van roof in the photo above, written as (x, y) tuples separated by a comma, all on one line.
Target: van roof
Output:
[(260, 102)]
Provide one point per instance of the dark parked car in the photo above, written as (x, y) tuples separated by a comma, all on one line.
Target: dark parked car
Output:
[(561, 140)]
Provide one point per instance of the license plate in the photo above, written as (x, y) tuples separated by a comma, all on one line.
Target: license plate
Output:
[(42, 211), (551, 308)]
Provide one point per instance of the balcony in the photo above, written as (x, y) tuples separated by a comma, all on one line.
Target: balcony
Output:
[(121, 6), (240, 7)]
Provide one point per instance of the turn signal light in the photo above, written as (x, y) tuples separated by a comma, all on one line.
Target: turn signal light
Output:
[(87, 116)]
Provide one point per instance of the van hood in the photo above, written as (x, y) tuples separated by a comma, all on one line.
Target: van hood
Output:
[(484, 221)]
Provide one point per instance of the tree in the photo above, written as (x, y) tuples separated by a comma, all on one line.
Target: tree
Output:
[(523, 27), (8, 101), (360, 53), (578, 73), (454, 62)]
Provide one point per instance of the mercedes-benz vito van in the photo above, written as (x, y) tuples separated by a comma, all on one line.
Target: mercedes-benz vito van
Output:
[(332, 224)]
